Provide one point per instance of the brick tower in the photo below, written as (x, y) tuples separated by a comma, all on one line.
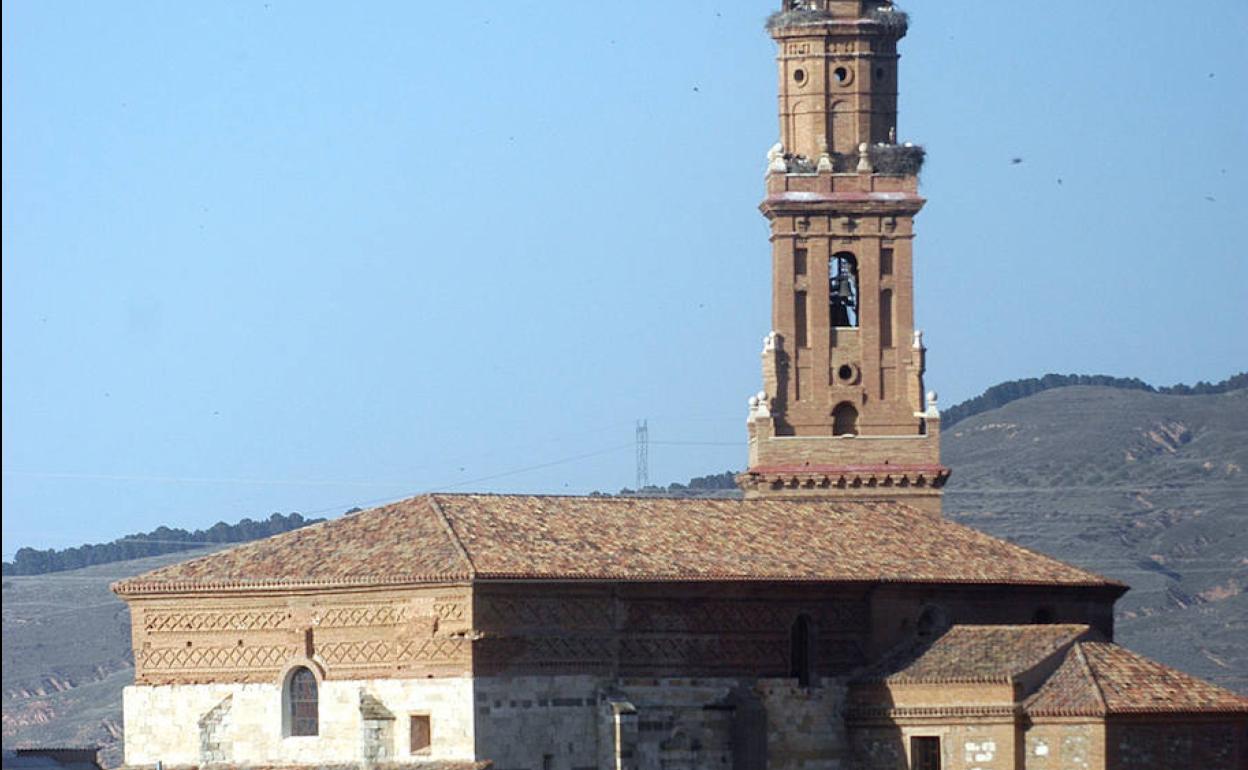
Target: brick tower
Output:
[(842, 413)]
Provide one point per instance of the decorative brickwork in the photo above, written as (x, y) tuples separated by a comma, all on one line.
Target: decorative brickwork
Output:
[(355, 617), (449, 609), (703, 652), (232, 658), (742, 616), (393, 651), (174, 621), (568, 613)]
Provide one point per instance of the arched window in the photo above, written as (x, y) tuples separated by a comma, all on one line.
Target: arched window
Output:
[(843, 289), (800, 650), (845, 420), (301, 703)]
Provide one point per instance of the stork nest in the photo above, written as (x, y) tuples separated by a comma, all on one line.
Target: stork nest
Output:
[(898, 159), (797, 17), (895, 22)]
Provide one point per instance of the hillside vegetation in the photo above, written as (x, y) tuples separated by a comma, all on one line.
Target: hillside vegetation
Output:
[(28, 561), (1007, 392)]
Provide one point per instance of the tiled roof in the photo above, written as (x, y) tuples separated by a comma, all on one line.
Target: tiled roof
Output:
[(975, 654), (1098, 678), (446, 538)]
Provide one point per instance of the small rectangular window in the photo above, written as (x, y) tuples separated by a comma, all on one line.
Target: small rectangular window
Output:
[(422, 733), (886, 318), (548, 762), (886, 261), (924, 753), (799, 319), (799, 261)]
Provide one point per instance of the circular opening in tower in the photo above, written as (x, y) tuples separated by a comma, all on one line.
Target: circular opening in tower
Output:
[(799, 76), (846, 372), (879, 73), (842, 75)]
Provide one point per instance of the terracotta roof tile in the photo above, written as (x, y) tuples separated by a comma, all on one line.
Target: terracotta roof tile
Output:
[(401, 542), (1099, 678), (975, 654), (465, 537)]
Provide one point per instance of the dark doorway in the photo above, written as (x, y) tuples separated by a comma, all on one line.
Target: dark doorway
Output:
[(924, 753)]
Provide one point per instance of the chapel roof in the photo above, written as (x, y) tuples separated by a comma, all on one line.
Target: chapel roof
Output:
[(443, 538), (1099, 679), (981, 654)]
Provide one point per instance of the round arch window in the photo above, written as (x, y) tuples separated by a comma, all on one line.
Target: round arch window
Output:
[(845, 420), (302, 703)]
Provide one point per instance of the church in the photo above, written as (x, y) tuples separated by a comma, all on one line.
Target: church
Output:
[(831, 619)]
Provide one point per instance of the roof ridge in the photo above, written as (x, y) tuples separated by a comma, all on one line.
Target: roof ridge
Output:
[(453, 535), (1087, 669)]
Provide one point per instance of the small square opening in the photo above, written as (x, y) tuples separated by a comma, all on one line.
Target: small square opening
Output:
[(925, 752), (421, 733)]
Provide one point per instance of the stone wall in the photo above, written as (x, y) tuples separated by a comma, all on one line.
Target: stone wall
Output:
[(242, 723), (538, 723), (1065, 744), (580, 723), (976, 744), (1165, 744), (520, 723)]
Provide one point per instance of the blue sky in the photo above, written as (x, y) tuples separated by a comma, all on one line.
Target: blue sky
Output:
[(298, 256)]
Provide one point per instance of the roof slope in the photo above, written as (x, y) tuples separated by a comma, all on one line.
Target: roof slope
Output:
[(975, 654), (1099, 678), (465, 537)]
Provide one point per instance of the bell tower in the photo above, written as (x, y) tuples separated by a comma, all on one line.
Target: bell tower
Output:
[(842, 413)]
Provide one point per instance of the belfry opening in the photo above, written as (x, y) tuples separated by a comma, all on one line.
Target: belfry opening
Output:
[(843, 290)]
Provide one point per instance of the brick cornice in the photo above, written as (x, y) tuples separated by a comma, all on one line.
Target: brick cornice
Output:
[(845, 476)]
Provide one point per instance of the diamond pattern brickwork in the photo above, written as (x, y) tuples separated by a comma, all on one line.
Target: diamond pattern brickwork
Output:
[(354, 617), (213, 658), (391, 651), (171, 621)]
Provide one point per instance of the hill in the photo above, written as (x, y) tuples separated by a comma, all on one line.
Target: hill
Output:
[(67, 655), (29, 561), (1003, 393), (1144, 487)]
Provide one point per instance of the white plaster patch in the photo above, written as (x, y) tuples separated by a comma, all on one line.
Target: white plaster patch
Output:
[(162, 722), (979, 751)]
